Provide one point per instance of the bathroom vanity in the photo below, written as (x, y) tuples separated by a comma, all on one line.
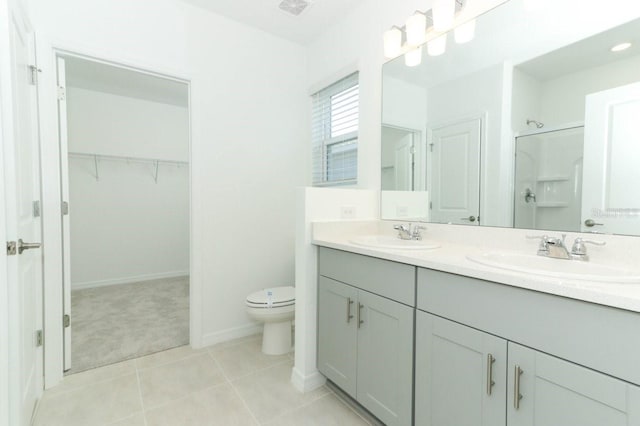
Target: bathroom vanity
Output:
[(414, 343)]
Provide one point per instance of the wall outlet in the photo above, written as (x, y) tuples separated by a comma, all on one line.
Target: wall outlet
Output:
[(348, 212), (402, 211)]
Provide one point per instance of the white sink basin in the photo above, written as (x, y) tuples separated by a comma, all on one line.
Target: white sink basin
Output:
[(395, 243), (558, 268)]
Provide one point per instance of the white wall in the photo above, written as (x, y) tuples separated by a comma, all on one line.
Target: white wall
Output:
[(249, 150), (104, 123), (125, 226)]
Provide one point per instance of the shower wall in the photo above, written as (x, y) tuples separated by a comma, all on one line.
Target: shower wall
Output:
[(548, 180)]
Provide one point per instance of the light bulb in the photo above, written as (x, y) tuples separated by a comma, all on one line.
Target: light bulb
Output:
[(415, 27), (437, 46), (620, 47), (413, 57), (392, 42), (465, 32), (443, 14)]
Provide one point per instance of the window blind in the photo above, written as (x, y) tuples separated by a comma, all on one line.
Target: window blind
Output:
[(334, 132)]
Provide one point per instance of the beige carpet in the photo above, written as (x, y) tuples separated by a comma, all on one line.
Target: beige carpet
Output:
[(120, 322)]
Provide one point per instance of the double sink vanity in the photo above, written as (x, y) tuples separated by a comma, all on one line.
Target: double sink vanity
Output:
[(469, 326)]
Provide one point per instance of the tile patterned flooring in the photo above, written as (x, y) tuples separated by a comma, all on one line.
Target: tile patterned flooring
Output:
[(232, 383)]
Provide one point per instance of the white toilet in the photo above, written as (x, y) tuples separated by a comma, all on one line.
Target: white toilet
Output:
[(275, 307)]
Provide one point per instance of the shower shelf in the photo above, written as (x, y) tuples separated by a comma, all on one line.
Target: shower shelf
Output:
[(552, 204), (552, 178)]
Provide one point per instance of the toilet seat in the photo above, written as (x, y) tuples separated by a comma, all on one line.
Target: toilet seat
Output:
[(279, 297)]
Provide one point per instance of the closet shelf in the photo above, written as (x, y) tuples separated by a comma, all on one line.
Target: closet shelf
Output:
[(155, 162), (552, 178), (552, 204)]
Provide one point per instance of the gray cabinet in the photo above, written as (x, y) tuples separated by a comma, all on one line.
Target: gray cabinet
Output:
[(554, 392), (365, 331), (460, 374)]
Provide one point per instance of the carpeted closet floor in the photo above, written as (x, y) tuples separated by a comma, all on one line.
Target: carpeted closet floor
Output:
[(120, 322)]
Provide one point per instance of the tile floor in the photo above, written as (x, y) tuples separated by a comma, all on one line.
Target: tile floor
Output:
[(228, 384)]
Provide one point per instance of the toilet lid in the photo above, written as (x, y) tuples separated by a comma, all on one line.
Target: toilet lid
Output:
[(272, 297)]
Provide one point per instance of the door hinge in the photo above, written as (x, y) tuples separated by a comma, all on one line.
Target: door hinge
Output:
[(33, 75), (65, 208), (66, 320), (12, 248), (62, 93), (39, 338), (431, 147), (36, 208), (430, 205)]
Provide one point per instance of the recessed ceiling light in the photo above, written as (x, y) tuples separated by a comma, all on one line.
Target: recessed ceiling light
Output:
[(620, 47)]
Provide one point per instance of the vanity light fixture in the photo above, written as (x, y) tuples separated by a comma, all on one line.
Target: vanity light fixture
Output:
[(413, 57), (443, 14), (415, 28), (620, 47), (392, 42), (465, 32), (437, 46)]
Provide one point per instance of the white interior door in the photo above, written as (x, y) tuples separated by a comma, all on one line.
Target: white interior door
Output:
[(66, 238), (22, 189), (611, 181), (455, 173), (403, 166)]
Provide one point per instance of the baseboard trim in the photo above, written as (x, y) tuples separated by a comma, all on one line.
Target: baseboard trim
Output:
[(127, 280), (307, 383), (231, 334)]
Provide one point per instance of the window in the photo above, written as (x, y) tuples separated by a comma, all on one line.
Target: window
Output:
[(334, 133)]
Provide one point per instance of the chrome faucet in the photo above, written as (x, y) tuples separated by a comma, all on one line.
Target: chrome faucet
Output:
[(409, 231), (557, 249)]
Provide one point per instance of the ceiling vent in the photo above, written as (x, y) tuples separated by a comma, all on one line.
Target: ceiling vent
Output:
[(294, 7)]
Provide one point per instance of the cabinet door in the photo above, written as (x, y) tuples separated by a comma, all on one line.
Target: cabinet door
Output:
[(385, 358), (337, 333), (460, 374), (554, 392)]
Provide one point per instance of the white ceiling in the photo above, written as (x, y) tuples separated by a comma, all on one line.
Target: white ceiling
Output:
[(267, 16)]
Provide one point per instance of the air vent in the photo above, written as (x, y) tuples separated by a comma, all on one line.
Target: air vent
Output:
[(294, 7)]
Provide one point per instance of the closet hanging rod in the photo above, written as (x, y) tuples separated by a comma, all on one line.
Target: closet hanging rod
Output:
[(123, 158)]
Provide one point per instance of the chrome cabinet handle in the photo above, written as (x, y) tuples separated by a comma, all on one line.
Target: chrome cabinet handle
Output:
[(490, 382), (349, 303), (22, 246), (470, 218), (516, 387), (591, 223), (360, 321)]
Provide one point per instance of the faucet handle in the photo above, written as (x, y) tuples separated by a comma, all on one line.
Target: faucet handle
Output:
[(416, 232), (544, 242), (579, 250)]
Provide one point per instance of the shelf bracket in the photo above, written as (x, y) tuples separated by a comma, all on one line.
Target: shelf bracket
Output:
[(155, 177), (95, 165)]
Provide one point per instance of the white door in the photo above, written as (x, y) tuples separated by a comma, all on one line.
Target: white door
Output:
[(611, 181), (22, 189), (403, 155), (66, 237), (455, 173)]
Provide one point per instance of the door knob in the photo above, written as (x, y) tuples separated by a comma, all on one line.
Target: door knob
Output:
[(22, 246), (591, 223), (470, 218)]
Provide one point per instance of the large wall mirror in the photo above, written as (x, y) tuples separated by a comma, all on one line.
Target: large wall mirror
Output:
[(535, 123)]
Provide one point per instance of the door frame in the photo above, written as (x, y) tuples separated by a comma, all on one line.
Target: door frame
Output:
[(47, 52)]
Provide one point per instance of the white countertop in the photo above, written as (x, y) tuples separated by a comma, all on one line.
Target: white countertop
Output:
[(452, 257)]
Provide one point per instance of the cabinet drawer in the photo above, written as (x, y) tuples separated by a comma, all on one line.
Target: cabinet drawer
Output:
[(392, 280), (600, 337)]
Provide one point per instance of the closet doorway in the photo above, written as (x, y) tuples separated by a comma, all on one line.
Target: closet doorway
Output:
[(124, 143)]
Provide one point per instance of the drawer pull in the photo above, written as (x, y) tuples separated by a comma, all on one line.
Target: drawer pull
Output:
[(490, 382), (360, 321), (349, 315)]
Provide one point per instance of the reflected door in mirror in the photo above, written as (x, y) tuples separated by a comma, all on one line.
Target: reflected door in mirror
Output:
[(611, 195), (455, 173)]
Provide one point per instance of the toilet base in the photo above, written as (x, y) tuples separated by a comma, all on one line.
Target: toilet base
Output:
[(276, 338)]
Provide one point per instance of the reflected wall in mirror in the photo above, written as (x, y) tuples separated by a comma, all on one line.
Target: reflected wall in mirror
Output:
[(532, 124)]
